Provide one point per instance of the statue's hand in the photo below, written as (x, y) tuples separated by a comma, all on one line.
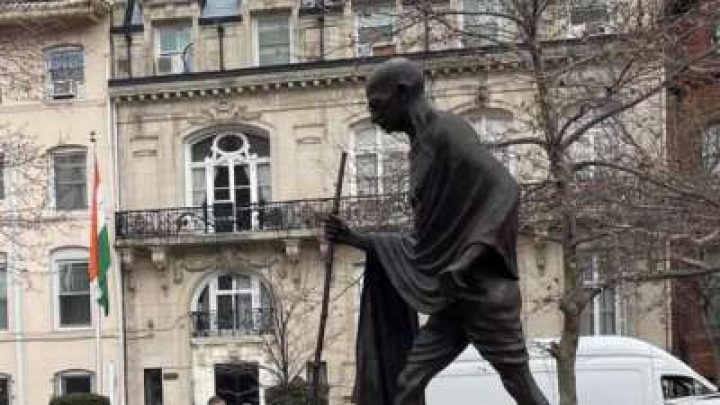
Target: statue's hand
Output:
[(337, 231)]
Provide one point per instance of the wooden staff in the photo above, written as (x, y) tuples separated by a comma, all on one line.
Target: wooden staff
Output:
[(329, 256)]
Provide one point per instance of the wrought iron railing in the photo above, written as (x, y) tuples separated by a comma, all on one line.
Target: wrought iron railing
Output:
[(378, 211), (250, 322)]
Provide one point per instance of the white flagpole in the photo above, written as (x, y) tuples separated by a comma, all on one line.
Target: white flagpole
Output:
[(94, 304)]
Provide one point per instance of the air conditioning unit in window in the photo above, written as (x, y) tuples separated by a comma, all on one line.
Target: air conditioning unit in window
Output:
[(165, 64), (62, 89)]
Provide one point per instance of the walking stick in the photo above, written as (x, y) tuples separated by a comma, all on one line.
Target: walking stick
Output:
[(329, 256)]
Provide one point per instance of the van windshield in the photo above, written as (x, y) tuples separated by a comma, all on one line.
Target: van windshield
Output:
[(678, 386)]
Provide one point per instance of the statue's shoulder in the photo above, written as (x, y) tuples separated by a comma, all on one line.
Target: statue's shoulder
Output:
[(450, 127)]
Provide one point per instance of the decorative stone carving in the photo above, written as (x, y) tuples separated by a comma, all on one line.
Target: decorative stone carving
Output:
[(292, 250), (224, 110), (158, 255)]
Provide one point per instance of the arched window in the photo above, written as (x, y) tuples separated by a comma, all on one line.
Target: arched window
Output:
[(232, 304), (711, 149), (381, 162), (492, 126), (74, 381), (229, 173), (72, 288)]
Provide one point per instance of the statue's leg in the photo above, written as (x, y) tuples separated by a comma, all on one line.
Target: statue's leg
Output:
[(437, 344), (520, 384)]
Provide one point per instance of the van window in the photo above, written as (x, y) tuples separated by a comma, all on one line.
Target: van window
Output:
[(678, 386)]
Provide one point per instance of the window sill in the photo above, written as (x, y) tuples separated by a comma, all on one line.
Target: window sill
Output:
[(83, 328), (220, 19), (50, 100), (216, 340)]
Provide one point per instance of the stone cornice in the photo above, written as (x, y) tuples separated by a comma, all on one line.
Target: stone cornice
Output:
[(14, 11), (300, 76)]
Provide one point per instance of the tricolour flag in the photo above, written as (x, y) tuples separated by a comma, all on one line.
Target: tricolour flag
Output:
[(99, 241)]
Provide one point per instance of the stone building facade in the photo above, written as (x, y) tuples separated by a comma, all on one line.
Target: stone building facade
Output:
[(53, 89)]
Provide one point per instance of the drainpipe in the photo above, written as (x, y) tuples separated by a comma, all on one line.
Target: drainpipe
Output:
[(128, 53), (321, 27), (15, 269), (221, 45)]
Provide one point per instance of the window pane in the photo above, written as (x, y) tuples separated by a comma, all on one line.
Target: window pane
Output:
[(367, 174), (198, 186), (76, 384), (242, 282), (3, 298), (75, 310), (215, 8), (70, 175), (153, 386), (259, 146), (4, 391), (3, 314), (587, 320), (74, 277), (225, 282), (264, 182), (201, 149), (607, 311), (273, 41), (711, 149), (225, 312)]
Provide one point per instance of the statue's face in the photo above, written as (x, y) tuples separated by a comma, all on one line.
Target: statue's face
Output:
[(386, 107)]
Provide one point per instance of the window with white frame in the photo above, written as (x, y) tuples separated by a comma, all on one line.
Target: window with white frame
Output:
[(5, 389), (74, 382), (478, 27), (73, 295), (230, 176), (273, 40), (586, 13), (711, 149), (3, 293), (492, 127), (602, 315), (173, 49), (65, 72), (69, 179), (376, 28), (220, 8), (381, 161), (232, 304), (602, 142)]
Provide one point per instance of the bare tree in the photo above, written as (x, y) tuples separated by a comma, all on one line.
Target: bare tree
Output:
[(590, 138)]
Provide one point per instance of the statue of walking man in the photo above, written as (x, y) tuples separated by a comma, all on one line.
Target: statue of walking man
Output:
[(458, 264)]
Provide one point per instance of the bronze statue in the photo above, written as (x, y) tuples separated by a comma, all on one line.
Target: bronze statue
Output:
[(458, 265)]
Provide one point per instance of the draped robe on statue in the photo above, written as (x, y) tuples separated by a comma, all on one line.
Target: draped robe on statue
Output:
[(461, 196)]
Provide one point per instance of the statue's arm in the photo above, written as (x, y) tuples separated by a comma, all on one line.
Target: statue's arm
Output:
[(337, 231)]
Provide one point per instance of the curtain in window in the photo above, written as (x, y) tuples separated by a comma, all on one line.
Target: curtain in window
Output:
[(74, 294), (70, 175)]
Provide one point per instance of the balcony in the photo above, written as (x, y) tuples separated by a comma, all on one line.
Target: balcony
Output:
[(251, 322), (271, 220)]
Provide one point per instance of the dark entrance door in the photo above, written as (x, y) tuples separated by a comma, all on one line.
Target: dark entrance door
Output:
[(238, 383)]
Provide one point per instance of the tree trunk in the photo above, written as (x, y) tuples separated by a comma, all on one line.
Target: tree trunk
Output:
[(565, 356)]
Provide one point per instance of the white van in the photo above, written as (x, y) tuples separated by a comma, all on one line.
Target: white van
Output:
[(610, 370)]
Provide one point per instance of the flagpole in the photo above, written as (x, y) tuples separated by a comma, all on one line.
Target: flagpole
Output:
[(98, 317)]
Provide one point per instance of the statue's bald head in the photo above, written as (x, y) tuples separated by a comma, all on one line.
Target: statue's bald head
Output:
[(398, 72), (393, 92)]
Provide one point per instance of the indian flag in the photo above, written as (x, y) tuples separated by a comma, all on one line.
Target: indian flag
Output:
[(99, 241)]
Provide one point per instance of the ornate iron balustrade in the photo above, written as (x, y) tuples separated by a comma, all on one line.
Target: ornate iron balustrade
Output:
[(375, 212), (250, 322)]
